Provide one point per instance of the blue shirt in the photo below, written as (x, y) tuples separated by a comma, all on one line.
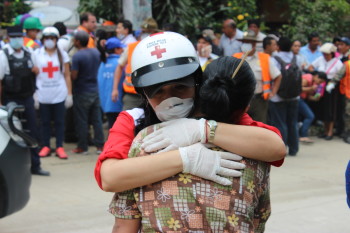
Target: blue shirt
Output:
[(310, 56), (347, 181), (86, 62), (105, 80)]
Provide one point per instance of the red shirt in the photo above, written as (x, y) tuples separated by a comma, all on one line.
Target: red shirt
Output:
[(122, 134)]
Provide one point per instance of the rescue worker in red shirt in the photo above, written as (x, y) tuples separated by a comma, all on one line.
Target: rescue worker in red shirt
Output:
[(166, 72)]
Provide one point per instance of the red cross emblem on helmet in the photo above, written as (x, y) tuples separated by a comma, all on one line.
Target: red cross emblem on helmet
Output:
[(158, 51)]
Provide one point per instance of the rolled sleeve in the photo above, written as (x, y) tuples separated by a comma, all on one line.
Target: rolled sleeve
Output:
[(274, 71)]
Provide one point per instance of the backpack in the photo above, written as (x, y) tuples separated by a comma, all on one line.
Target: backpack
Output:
[(290, 86)]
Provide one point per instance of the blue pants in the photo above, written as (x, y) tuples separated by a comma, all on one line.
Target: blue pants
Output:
[(30, 125), (87, 109), (307, 117), (284, 116), (56, 113)]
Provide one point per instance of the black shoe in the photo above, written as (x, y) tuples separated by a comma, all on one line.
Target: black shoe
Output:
[(41, 172), (328, 138), (322, 136)]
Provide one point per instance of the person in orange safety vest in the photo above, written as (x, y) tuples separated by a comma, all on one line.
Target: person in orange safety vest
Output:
[(131, 99), (265, 72)]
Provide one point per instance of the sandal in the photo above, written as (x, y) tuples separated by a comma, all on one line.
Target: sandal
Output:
[(306, 140)]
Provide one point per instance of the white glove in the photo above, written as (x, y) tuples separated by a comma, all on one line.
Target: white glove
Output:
[(69, 101), (36, 101), (200, 161), (330, 86), (174, 134)]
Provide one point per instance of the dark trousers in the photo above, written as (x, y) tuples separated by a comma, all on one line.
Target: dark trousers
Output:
[(340, 105), (87, 105), (284, 116), (307, 116), (111, 118), (55, 112), (258, 108), (30, 125)]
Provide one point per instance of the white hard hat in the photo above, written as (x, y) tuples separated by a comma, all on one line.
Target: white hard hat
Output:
[(163, 57), (51, 31)]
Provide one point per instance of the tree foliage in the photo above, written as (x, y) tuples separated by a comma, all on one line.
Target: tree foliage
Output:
[(103, 9), (328, 18), (189, 16), (9, 9)]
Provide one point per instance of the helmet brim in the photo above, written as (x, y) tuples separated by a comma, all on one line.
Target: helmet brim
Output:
[(152, 74)]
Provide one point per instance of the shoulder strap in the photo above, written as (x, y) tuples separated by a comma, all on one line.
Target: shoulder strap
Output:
[(280, 61)]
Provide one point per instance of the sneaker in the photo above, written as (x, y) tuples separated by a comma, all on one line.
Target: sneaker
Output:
[(80, 151), (60, 153), (45, 151), (99, 150)]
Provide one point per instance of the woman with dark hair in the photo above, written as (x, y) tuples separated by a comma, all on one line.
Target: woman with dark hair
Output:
[(331, 65), (167, 74), (226, 99), (54, 89)]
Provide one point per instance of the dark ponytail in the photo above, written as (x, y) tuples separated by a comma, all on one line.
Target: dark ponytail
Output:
[(222, 98)]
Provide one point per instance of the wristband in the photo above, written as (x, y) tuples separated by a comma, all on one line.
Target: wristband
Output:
[(212, 126)]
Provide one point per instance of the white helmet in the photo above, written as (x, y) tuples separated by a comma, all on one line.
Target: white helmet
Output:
[(51, 31), (163, 57)]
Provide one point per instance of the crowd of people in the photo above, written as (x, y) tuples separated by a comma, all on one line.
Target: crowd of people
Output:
[(164, 95)]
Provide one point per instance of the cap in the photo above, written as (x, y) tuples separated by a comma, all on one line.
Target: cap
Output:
[(150, 91), (249, 36), (328, 48), (114, 42), (15, 31), (345, 40), (209, 33)]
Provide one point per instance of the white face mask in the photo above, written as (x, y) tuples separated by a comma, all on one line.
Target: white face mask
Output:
[(16, 42), (246, 47), (174, 108), (49, 44)]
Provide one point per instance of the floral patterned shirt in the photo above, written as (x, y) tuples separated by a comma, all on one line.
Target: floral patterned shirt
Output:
[(187, 203)]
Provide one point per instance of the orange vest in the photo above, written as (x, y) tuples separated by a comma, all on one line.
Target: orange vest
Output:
[(30, 43), (127, 84), (264, 60), (344, 86), (91, 42)]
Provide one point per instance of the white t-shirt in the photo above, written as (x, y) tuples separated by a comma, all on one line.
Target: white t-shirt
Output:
[(330, 68), (128, 39), (63, 42), (50, 82)]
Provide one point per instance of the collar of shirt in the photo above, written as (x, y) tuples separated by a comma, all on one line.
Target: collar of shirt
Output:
[(12, 51), (43, 51)]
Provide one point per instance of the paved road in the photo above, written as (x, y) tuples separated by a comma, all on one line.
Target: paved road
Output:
[(307, 195)]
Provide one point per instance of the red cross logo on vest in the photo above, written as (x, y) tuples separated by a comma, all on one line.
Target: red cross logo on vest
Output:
[(158, 51), (50, 69)]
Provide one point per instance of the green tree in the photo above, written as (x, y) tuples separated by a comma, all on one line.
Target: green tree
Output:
[(189, 16), (9, 9), (103, 9), (328, 18)]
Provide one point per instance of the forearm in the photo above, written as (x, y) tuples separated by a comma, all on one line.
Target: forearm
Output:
[(276, 85), (121, 175), (250, 142), (68, 79), (117, 75)]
